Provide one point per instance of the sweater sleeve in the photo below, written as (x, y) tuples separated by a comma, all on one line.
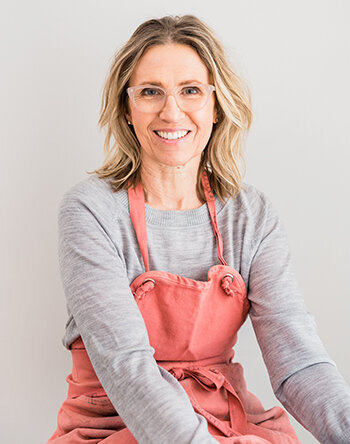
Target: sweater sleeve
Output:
[(151, 402), (291, 348), (319, 398)]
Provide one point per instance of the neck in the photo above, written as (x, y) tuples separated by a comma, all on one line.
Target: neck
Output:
[(171, 188)]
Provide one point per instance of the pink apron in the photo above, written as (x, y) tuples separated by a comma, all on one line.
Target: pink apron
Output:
[(192, 325)]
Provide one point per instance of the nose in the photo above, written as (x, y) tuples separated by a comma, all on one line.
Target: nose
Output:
[(170, 110)]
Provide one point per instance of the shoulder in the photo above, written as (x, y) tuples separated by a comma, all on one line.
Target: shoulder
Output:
[(263, 214), (251, 212), (92, 196), (251, 203), (89, 190), (251, 197), (93, 193)]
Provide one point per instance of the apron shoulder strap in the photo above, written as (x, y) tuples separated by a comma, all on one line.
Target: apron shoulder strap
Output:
[(138, 219), (212, 210)]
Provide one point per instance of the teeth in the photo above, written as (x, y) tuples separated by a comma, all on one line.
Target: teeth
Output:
[(175, 135)]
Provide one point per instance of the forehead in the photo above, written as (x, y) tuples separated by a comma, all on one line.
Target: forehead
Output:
[(169, 65)]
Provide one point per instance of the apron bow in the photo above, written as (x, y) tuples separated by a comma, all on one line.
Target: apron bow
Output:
[(210, 379), (213, 379)]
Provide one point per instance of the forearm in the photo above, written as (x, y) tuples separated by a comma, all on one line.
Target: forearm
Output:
[(154, 406), (319, 398)]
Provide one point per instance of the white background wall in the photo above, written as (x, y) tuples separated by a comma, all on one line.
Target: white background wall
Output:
[(54, 59)]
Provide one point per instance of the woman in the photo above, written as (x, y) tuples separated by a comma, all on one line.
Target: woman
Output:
[(163, 255)]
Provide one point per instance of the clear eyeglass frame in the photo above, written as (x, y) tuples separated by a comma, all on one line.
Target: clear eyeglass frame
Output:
[(170, 92)]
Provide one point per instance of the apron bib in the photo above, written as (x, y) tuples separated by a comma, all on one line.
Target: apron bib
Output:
[(192, 325)]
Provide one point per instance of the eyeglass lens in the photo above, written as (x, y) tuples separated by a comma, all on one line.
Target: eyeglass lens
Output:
[(188, 98)]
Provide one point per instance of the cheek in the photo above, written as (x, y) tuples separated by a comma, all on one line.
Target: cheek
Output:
[(141, 124), (207, 130), (205, 118), (205, 125), (143, 137)]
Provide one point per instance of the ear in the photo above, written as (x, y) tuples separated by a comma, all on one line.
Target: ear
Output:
[(127, 112), (128, 117), (215, 116)]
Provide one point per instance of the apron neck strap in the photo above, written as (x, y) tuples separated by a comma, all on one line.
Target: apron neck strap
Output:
[(138, 218), (212, 211)]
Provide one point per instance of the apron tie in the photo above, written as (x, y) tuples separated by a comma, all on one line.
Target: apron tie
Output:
[(207, 378), (212, 379)]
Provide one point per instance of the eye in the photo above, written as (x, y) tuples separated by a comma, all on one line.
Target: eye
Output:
[(191, 91), (150, 92)]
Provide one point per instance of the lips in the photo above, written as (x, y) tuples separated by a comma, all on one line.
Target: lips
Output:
[(172, 135)]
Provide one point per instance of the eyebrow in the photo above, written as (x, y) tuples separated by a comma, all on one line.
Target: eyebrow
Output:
[(185, 82)]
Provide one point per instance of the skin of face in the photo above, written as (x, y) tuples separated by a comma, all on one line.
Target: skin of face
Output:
[(169, 65)]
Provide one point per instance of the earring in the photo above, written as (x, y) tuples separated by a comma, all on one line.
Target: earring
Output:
[(129, 123)]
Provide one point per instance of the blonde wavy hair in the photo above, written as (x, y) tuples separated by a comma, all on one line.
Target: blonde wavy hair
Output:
[(224, 150)]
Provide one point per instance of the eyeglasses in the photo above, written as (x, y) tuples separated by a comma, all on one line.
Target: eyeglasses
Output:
[(151, 98)]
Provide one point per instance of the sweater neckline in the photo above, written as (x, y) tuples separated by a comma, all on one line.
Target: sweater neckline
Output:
[(173, 218)]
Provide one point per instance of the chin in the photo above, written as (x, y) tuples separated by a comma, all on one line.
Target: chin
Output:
[(179, 163)]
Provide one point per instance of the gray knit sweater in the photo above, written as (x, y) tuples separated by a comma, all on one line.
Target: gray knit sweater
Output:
[(99, 257)]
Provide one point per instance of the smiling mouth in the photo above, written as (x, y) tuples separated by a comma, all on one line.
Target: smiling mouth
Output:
[(172, 136)]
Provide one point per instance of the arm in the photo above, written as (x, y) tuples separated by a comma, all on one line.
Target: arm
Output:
[(302, 375), (151, 402), (318, 397)]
